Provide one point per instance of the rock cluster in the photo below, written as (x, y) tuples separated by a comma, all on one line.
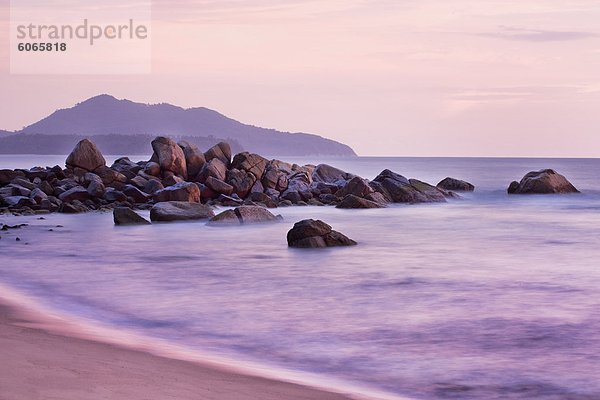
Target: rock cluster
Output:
[(180, 172), (310, 233)]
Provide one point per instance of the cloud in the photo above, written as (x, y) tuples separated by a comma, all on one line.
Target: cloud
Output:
[(537, 35)]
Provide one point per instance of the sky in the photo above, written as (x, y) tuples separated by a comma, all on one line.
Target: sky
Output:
[(388, 77)]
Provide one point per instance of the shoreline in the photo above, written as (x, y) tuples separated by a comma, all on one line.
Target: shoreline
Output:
[(45, 354)]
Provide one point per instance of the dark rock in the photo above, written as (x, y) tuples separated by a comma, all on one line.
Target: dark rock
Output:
[(171, 179), (96, 189), (229, 201), (219, 186), (276, 176), (7, 175), (328, 198), (153, 169), (545, 181), (109, 175), (185, 191), (19, 190), (153, 186), (46, 188), (352, 201), (377, 198), (86, 156), (315, 233), (257, 187), (356, 186), (72, 208), (137, 195), (18, 201), (180, 211), (139, 181), (38, 195), (170, 156), (194, 158), (23, 182), (292, 196), (112, 195), (242, 181), (244, 215), (77, 193), (221, 151), (396, 188), (126, 216), (263, 198), (455, 184)]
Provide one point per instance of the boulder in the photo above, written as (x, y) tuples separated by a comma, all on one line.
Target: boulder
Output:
[(180, 211), (244, 215), (242, 181), (96, 188), (153, 186), (126, 216), (249, 162), (24, 182), (215, 168), (153, 169), (109, 175), (356, 186), (194, 158), (456, 185), (545, 181), (18, 201), (275, 177), (352, 201), (310, 233), (38, 195), (77, 193), (7, 175), (263, 198), (184, 191), (86, 156), (170, 156), (136, 194), (221, 151), (219, 186), (396, 188), (328, 174), (112, 195)]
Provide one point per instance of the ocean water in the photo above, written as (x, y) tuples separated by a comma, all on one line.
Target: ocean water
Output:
[(488, 297)]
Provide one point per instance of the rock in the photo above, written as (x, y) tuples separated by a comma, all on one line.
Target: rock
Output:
[(72, 208), (170, 156), (316, 233), (229, 201), (139, 182), (7, 176), (77, 193), (221, 151), (263, 198), (38, 195), (23, 182), (377, 198), (242, 181), (153, 169), (137, 195), (352, 201), (244, 215), (431, 193), (180, 211), (215, 168), (153, 186), (219, 186), (18, 190), (46, 188), (194, 158), (328, 174), (112, 195), (545, 181), (126, 216), (249, 162), (86, 156), (356, 186), (276, 176), (185, 191), (396, 188), (109, 175), (258, 187), (18, 201), (456, 185), (171, 179)]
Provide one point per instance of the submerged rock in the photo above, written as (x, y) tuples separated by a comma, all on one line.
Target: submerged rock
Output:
[(244, 215), (545, 181), (455, 184), (180, 211), (310, 233), (126, 216)]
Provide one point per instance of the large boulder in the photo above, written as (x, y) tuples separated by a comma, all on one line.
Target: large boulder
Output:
[(328, 174), (356, 186), (219, 186), (316, 233), (86, 156), (77, 193), (7, 175), (545, 181), (455, 185), (249, 162), (396, 188), (352, 201), (126, 216), (194, 158), (215, 168), (244, 215), (170, 156), (184, 191), (221, 151), (276, 176), (242, 181), (180, 211), (109, 175)]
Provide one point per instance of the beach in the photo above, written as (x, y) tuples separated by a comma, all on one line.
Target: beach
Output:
[(41, 360)]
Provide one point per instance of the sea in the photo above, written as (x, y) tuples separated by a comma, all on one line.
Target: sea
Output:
[(490, 296)]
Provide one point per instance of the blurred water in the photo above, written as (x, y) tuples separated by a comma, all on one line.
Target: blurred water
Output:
[(489, 297)]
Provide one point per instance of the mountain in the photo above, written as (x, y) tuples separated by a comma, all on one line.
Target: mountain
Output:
[(106, 115)]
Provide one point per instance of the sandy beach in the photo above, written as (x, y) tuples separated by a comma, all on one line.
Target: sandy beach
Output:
[(39, 361)]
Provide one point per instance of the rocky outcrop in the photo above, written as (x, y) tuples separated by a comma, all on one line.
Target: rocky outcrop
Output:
[(180, 211), (455, 185), (86, 156), (126, 216), (398, 189), (310, 233), (546, 181), (184, 191), (243, 215), (169, 156)]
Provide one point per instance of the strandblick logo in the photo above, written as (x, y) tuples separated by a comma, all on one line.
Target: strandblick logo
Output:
[(90, 32), (89, 37)]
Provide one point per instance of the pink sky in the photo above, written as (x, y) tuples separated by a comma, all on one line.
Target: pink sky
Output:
[(388, 77)]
